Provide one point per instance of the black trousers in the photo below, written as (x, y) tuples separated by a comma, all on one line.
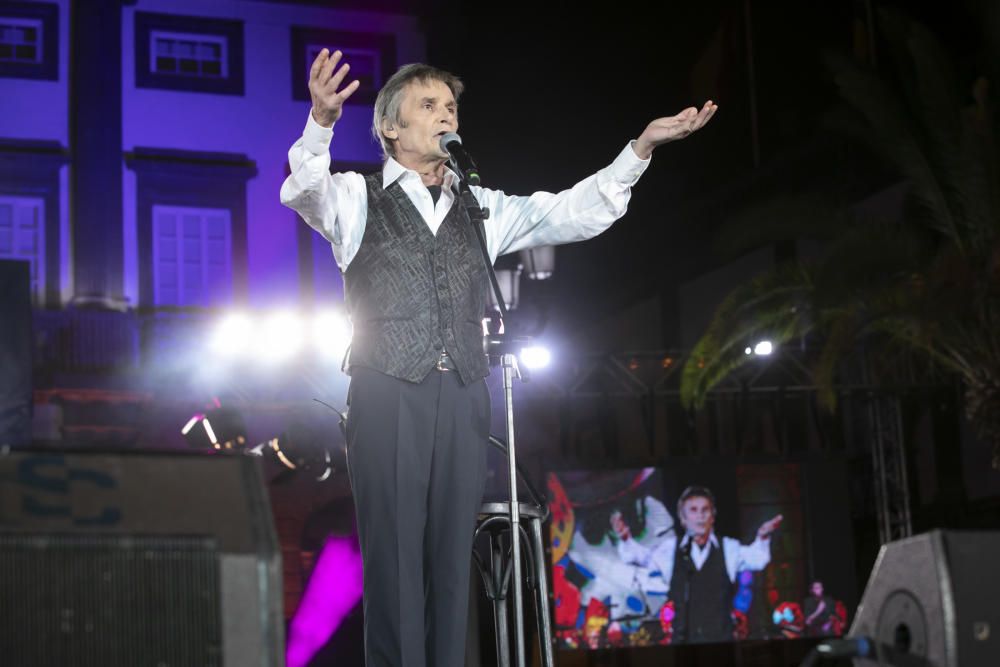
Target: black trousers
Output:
[(417, 464)]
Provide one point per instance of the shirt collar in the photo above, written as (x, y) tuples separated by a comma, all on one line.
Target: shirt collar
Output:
[(711, 539), (392, 171)]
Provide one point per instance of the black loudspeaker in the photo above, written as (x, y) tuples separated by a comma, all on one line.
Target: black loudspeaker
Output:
[(15, 353), (934, 599), (137, 559)]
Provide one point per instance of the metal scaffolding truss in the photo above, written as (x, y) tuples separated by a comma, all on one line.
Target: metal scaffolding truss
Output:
[(647, 383), (652, 376), (892, 491)]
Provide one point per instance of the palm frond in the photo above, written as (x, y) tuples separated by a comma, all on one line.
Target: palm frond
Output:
[(890, 130), (775, 305)]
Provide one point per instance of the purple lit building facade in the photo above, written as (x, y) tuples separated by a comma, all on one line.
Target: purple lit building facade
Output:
[(142, 147), (190, 121)]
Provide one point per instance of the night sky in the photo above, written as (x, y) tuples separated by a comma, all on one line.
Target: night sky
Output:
[(555, 90)]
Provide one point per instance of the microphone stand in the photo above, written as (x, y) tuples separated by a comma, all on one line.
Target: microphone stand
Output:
[(688, 573), (503, 348)]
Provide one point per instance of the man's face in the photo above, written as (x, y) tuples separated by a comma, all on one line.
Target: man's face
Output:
[(817, 589), (697, 515), (428, 112)]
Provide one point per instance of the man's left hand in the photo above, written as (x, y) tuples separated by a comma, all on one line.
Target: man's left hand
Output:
[(672, 128), (769, 527)]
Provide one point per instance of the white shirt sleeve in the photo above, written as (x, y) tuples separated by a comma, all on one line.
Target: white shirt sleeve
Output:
[(633, 553), (662, 558), (739, 557), (576, 214), (335, 205)]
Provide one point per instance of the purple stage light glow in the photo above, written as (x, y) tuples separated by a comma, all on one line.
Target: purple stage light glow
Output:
[(334, 588)]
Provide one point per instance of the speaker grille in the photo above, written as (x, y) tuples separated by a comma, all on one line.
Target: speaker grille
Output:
[(109, 600)]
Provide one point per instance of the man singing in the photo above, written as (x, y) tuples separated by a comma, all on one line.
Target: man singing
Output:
[(416, 291), (705, 569)]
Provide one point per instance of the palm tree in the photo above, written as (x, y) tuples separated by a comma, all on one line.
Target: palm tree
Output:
[(924, 286)]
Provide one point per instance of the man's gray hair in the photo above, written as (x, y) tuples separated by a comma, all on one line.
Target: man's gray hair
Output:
[(695, 491), (389, 102)]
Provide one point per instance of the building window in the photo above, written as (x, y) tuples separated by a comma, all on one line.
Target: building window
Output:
[(29, 40), (22, 236), (211, 188), (372, 58), (192, 251), (366, 65), (189, 53), (20, 40)]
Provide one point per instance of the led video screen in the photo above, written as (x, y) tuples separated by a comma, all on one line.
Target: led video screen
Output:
[(701, 552)]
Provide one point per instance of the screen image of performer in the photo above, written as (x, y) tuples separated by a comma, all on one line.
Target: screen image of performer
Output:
[(706, 567), (416, 292)]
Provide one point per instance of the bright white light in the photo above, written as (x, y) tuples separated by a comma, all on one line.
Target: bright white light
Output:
[(187, 427), (748, 351), (280, 337), (536, 356), (210, 432), (331, 334), (232, 335), (763, 348)]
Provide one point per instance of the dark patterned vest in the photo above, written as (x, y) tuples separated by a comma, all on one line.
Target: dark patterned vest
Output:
[(709, 594), (412, 294)]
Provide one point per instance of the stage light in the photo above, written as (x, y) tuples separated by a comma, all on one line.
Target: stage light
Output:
[(280, 337), (335, 586), (536, 356), (219, 428), (748, 351), (191, 422), (302, 455), (763, 348), (331, 334), (210, 431), (232, 335)]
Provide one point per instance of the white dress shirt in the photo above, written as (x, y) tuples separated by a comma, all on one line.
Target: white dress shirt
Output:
[(336, 205)]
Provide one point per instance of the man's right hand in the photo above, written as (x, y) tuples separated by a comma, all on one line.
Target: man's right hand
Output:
[(327, 100), (768, 527)]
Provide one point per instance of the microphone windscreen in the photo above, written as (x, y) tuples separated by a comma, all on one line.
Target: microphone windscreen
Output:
[(450, 138)]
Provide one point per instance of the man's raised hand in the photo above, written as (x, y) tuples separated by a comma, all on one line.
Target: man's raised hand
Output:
[(672, 128), (324, 87), (769, 527)]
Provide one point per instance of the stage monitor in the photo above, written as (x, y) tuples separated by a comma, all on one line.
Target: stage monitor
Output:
[(930, 600), (137, 559)]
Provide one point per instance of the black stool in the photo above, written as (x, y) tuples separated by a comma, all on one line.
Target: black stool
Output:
[(494, 521)]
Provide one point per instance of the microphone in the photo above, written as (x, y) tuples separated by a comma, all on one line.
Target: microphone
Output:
[(686, 549), (864, 647), (451, 143), (854, 647)]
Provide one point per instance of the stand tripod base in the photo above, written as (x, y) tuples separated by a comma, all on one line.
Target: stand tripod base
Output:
[(494, 521)]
